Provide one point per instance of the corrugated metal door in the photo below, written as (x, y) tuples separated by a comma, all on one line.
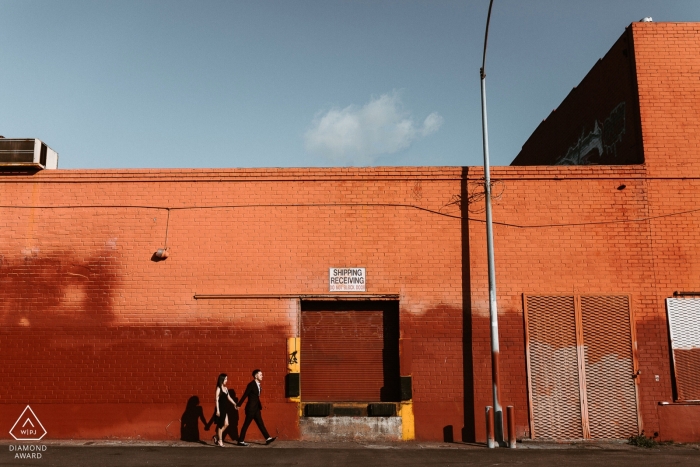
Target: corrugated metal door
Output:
[(684, 325), (610, 387), (342, 355), (581, 366)]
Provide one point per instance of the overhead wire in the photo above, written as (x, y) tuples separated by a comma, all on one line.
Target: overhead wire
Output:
[(350, 205)]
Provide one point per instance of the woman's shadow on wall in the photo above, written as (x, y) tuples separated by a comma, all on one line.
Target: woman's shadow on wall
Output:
[(193, 414), (189, 421)]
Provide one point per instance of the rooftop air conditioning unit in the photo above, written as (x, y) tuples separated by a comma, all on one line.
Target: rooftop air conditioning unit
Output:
[(27, 153)]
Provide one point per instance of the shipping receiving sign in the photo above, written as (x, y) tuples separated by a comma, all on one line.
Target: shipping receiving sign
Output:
[(347, 279)]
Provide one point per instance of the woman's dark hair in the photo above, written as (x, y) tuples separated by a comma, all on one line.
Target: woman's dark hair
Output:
[(255, 372), (221, 379)]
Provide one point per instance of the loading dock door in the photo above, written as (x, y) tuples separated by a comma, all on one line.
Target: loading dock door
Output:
[(581, 367), (349, 352)]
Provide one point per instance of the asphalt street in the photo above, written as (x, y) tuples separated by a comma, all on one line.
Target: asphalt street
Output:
[(291, 453)]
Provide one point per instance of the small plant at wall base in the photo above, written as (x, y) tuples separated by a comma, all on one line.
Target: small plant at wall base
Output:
[(642, 441)]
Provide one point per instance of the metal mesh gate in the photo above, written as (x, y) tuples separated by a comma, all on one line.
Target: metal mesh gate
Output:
[(580, 367), (684, 325), (554, 376), (610, 387)]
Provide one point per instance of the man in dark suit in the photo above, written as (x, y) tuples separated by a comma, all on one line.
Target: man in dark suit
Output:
[(253, 408)]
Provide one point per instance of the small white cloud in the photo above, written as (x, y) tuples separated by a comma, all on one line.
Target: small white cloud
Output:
[(357, 135), (432, 123)]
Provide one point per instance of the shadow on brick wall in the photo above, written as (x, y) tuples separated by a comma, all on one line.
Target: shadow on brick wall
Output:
[(57, 288), (468, 431), (189, 421)]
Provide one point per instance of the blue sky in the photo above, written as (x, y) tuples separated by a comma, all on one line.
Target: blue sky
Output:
[(292, 83)]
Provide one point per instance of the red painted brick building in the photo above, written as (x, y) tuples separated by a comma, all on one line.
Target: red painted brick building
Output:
[(103, 339)]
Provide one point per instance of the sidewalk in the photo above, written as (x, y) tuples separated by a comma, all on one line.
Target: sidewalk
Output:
[(619, 445)]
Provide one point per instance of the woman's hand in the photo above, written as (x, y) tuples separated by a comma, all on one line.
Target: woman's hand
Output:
[(218, 414)]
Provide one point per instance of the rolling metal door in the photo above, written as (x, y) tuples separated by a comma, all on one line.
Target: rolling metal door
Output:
[(581, 362), (342, 356), (610, 388), (553, 368), (684, 325)]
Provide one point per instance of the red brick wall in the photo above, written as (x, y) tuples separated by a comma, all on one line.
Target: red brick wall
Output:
[(89, 321), (91, 324), (561, 231), (577, 240), (607, 95), (668, 71)]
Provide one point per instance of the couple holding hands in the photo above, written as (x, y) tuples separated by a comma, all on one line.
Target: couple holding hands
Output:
[(252, 408)]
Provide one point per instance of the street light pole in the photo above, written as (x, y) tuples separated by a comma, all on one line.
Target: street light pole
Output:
[(493, 304)]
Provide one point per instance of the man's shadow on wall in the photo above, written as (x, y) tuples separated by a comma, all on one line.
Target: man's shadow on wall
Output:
[(189, 422)]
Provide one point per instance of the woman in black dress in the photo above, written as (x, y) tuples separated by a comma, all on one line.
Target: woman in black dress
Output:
[(222, 401)]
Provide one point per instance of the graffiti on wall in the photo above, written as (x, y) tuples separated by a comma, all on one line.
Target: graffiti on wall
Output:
[(603, 139)]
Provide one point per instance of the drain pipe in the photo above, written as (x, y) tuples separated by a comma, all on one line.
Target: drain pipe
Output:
[(493, 305)]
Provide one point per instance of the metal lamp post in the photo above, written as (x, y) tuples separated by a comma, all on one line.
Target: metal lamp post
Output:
[(493, 305)]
